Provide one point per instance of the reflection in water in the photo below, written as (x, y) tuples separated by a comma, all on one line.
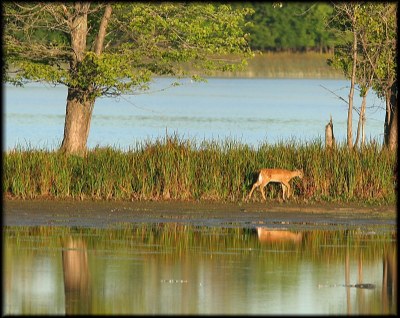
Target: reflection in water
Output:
[(180, 269), (389, 284), (347, 280), (76, 276), (268, 235)]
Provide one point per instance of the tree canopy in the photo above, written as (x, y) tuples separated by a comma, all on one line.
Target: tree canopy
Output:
[(367, 54), (142, 40)]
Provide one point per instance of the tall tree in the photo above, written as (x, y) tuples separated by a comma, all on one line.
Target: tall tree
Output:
[(379, 46), (344, 21), (368, 56), (103, 49)]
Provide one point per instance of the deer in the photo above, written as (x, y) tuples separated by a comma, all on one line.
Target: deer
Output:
[(281, 176)]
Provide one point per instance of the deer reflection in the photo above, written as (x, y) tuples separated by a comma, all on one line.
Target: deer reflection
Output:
[(268, 235), (76, 276)]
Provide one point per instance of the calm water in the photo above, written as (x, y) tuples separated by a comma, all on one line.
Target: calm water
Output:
[(251, 111), (182, 269)]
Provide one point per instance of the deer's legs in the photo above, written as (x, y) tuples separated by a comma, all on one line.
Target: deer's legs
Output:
[(255, 185), (262, 187), (263, 193), (285, 189)]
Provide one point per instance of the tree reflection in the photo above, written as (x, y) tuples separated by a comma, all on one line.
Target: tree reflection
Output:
[(347, 280), (389, 282), (76, 276), (179, 268)]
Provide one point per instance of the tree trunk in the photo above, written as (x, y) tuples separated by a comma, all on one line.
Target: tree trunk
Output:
[(363, 131), (361, 121), (80, 99), (77, 124), (392, 142), (79, 106), (390, 129), (99, 43), (388, 116), (351, 94)]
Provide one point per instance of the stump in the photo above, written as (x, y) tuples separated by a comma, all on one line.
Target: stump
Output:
[(329, 136)]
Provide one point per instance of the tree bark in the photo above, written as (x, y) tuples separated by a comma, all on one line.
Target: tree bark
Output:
[(351, 94), (79, 105), (77, 124), (390, 129), (361, 122), (388, 115), (79, 28), (80, 100), (393, 141), (99, 44)]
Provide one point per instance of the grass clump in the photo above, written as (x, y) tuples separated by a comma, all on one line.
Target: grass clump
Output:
[(181, 169)]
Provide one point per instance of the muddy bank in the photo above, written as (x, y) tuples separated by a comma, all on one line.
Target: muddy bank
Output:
[(278, 215)]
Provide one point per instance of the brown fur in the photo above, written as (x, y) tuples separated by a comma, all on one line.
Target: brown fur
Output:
[(275, 175)]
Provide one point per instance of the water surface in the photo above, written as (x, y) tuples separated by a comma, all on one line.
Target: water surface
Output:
[(252, 111), (172, 268)]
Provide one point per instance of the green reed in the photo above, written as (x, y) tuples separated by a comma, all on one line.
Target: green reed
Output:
[(183, 169), (286, 65)]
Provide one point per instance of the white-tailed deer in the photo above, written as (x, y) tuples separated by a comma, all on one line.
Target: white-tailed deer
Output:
[(275, 175)]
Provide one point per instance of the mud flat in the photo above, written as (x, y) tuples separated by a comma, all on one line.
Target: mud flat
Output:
[(290, 215)]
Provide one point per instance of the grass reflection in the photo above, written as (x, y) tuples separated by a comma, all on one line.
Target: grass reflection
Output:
[(130, 269), (176, 237)]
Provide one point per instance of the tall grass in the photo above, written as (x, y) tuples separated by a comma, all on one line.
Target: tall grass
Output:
[(182, 169), (287, 65)]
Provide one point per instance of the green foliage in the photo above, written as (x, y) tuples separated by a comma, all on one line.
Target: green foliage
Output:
[(290, 26), (380, 19), (174, 168), (376, 29), (143, 40)]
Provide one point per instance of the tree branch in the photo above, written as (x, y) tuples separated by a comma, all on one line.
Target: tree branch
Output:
[(340, 97), (98, 46)]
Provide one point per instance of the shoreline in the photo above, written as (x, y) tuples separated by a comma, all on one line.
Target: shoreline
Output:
[(272, 214)]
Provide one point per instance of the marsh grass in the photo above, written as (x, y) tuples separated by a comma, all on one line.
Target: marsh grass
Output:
[(183, 169), (287, 65)]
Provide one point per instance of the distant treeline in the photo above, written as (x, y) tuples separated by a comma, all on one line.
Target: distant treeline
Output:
[(294, 26)]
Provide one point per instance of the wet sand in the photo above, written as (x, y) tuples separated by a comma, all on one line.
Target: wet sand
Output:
[(289, 215)]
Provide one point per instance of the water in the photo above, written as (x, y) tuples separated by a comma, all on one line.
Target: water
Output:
[(181, 269), (251, 111)]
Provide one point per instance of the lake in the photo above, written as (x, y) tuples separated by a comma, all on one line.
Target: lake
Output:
[(175, 268), (181, 268), (251, 111)]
